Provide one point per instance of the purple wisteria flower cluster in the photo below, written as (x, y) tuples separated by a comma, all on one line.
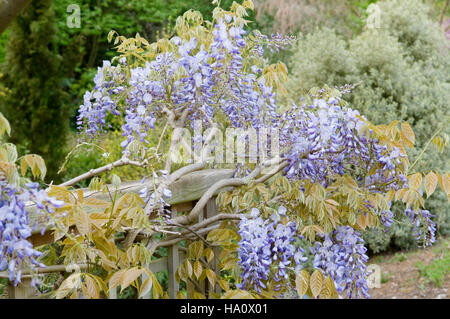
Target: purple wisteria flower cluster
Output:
[(342, 256), (387, 217), (266, 250), (325, 139), (199, 80), (157, 199), (15, 250), (275, 43), (424, 228), (101, 100)]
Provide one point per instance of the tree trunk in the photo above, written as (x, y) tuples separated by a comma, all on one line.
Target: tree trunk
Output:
[(9, 10)]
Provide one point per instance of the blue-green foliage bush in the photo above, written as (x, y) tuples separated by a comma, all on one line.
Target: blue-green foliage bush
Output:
[(402, 71)]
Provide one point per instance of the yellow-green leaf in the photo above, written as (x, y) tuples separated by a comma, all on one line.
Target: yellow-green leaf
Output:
[(209, 254), (129, 276), (408, 131), (145, 287), (302, 283), (316, 282), (237, 294), (92, 289), (4, 126), (188, 267), (224, 285), (431, 181), (211, 275), (414, 181), (198, 269), (82, 222), (115, 279)]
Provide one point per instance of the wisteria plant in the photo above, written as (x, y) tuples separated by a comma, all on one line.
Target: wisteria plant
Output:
[(291, 219)]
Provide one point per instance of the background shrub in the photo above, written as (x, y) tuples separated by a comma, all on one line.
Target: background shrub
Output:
[(402, 71)]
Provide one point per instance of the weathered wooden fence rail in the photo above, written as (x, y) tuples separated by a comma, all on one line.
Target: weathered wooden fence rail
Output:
[(185, 192)]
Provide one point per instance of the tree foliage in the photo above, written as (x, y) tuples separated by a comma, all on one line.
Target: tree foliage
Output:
[(36, 102)]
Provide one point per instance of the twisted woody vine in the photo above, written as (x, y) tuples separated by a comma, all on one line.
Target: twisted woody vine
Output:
[(294, 227)]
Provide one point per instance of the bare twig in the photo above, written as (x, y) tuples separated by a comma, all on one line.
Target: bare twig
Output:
[(187, 235), (192, 232), (108, 167)]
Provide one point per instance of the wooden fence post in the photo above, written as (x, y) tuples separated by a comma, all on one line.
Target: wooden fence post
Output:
[(23, 290), (212, 210), (173, 261)]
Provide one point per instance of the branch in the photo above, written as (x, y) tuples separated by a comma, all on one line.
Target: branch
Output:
[(425, 148), (131, 236), (211, 220), (187, 235), (47, 269), (234, 182), (108, 167), (9, 10), (193, 232)]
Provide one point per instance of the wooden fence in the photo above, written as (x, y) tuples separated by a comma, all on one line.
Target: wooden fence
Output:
[(185, 192)]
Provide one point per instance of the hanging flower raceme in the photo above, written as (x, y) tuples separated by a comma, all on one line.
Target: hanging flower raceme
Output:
[(424, 228), (266, 249), (202, 80), (16, 251), (156, 197), (325, 139), (342, 256)]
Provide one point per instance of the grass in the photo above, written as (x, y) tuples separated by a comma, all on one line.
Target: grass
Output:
[(436, 271), (385, 277), (3, 283), (378, 259), (399, 257)]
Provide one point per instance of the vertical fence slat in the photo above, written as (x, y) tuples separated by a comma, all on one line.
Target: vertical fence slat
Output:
[(173, 261), (212, 210), (113, 293), (145, 276), (23, 290)]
